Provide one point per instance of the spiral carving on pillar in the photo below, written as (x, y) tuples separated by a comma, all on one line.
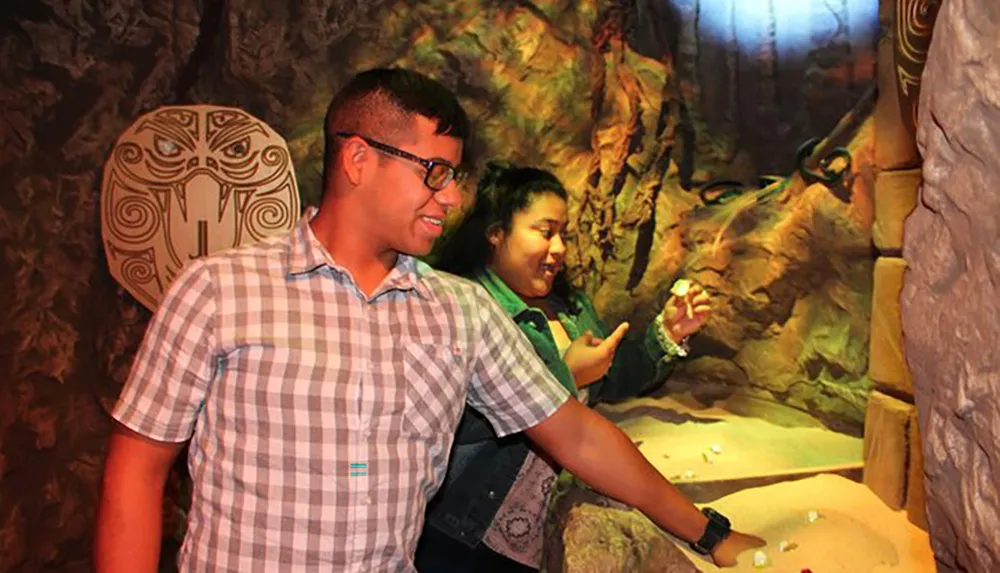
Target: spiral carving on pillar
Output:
[(914, 24)]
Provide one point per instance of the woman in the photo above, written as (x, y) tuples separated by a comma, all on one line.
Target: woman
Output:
[(490, 511)]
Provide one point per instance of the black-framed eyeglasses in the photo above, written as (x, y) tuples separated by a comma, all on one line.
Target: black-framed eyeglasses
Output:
[(439, 174)]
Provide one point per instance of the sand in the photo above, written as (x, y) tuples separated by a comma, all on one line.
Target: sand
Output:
[(855, 533), (678, 439)]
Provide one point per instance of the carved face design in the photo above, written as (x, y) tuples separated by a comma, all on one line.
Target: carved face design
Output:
[(188, 181)]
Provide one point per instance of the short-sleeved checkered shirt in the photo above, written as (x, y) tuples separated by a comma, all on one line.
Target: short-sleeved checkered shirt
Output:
[(321, 419)]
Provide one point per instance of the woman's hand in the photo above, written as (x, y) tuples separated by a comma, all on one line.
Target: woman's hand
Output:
[(589, 357), (686, 311)]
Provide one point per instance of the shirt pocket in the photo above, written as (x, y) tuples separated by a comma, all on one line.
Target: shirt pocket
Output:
[(436, 382)]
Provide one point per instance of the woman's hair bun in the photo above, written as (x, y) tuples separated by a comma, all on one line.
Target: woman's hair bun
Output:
[(494, 172)]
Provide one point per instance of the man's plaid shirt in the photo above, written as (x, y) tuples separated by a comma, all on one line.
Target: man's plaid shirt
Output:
[(321, 419)]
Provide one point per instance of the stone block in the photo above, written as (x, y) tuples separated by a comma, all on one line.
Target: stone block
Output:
[(916, 496), (887, 422), (895, 147), (895, 198), (887, 362)]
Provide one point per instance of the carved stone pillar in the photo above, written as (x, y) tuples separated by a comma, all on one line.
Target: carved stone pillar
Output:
[(893, 460)]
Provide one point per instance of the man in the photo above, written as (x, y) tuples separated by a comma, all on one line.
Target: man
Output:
[(320, 375)]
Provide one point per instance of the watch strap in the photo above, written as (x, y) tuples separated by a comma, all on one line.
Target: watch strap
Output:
[(716, 530)]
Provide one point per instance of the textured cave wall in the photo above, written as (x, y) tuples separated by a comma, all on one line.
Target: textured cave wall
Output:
[(558, 85), (951, 319), (550, 83), (72, 77)]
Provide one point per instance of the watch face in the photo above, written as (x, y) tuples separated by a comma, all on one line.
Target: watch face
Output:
[(716, 516)]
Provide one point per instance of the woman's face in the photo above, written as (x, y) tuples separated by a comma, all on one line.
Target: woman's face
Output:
[(531, 254)]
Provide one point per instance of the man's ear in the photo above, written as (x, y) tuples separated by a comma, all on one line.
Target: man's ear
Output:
[(356, 160), (495, 234)]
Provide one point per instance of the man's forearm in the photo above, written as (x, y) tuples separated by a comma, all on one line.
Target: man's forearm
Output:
[(606, 459), (129, 524), (130, 512)]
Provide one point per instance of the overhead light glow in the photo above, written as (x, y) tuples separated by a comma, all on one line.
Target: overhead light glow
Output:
[(798, 25)]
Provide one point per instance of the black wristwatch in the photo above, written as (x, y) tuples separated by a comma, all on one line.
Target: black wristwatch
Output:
[(715, 531)]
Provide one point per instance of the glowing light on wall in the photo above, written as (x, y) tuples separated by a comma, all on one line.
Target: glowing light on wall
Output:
[(797, 25)]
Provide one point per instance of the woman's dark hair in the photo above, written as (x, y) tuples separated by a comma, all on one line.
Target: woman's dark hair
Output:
[(503, 191)]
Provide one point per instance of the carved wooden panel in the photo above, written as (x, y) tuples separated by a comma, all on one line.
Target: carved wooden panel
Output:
[(183, 182)]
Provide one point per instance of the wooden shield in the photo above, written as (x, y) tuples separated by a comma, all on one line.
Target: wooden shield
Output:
[(183, 182)]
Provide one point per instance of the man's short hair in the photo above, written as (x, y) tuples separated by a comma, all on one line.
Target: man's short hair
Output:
[(381, 103)]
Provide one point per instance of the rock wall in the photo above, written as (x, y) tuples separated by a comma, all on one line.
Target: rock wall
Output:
[(791, 279), (549, 83), (590, 533), (951, 319), (787, 274), (72, 77)]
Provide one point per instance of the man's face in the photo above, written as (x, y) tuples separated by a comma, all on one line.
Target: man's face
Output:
[(410, 214)]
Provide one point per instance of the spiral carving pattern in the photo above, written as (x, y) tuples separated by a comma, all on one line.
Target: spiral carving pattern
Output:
[(267, 215), (914, 25), (274, 156), (129, 153), (138, 270), (134, 219)]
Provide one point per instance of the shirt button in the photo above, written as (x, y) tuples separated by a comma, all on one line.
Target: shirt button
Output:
[(368, 500), (366, 433), (492, 494)]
